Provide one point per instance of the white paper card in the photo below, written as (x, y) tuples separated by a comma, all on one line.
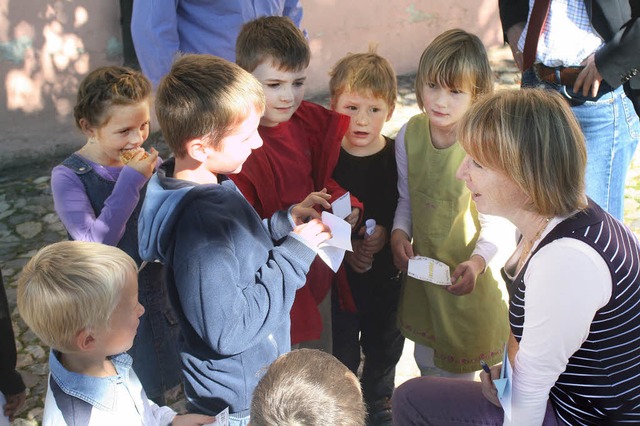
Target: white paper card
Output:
[(431, 270), (222, 419), (503, 384), (342, 206), (332, 250)]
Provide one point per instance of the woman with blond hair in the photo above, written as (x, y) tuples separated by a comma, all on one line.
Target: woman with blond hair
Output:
[(574, 279)]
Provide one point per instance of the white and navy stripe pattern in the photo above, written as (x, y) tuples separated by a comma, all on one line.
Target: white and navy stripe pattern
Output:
[(601, 384)]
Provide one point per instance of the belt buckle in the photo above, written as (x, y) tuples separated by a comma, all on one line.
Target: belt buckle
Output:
[(557, 73)]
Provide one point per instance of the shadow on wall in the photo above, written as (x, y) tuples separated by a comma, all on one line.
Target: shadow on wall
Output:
[(46, 48), (44, 54)]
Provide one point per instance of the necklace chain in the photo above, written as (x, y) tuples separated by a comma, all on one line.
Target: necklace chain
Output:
[(527, 245)]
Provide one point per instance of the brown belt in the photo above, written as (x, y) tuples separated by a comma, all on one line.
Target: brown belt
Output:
[(561, 75)]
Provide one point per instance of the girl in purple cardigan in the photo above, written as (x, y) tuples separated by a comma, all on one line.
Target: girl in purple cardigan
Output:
[(98, 192)]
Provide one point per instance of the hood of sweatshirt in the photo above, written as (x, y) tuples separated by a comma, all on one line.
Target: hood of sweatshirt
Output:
[(163, 202)]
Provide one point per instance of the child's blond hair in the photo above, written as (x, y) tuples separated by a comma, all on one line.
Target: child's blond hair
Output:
[(455, 59), (364, 73), (274, 38), (70, 286), (308, 387), (204, 96)]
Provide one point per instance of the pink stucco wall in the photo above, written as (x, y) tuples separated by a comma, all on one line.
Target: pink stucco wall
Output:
[(46, 48), (401, 29)]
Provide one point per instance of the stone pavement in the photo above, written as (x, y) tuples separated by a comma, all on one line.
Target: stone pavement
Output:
[(28, 222)]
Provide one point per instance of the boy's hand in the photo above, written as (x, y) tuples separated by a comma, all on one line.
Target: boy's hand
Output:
[(465, 275), (192, 420), (14, 402), (401, 249), (313, 232), (305, 211), (357, 259), (142, 164), (352, 219), (488, 387), (374, 242)]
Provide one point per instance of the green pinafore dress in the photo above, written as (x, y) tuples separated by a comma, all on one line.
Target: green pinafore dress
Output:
[(461, 330)]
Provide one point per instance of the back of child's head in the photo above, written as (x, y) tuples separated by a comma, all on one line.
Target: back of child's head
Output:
[(272, 38), (458, 60), (70, 286), (308, 387), (204, 96), (364, 73), (108, 86)]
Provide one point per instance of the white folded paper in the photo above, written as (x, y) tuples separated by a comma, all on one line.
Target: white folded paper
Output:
[(370, 227), (332, 250), (341, 207)]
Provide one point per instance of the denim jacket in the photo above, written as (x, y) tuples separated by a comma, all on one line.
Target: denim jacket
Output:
[(78, 399)]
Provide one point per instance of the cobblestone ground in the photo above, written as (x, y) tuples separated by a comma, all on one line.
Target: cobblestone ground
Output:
[(28, 222)]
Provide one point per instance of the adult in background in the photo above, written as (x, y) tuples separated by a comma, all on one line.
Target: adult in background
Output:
[(587, 50), (129, 58), (161, 29), (574, 279), (12, 388)]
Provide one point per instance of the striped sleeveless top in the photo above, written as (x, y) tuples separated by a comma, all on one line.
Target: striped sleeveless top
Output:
[(601, 383)]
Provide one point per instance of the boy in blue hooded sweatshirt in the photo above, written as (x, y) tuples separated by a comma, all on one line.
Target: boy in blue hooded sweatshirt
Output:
[(231, 277)]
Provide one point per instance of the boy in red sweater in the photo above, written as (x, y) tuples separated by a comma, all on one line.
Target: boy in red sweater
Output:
[(300, 151)]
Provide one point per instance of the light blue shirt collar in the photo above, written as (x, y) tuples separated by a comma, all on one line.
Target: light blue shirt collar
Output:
[(101, 392)]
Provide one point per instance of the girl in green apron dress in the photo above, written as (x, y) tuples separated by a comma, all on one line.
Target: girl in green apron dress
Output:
[(454, 326)]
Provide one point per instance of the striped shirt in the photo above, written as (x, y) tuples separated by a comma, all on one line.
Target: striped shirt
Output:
[(601, 382)]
